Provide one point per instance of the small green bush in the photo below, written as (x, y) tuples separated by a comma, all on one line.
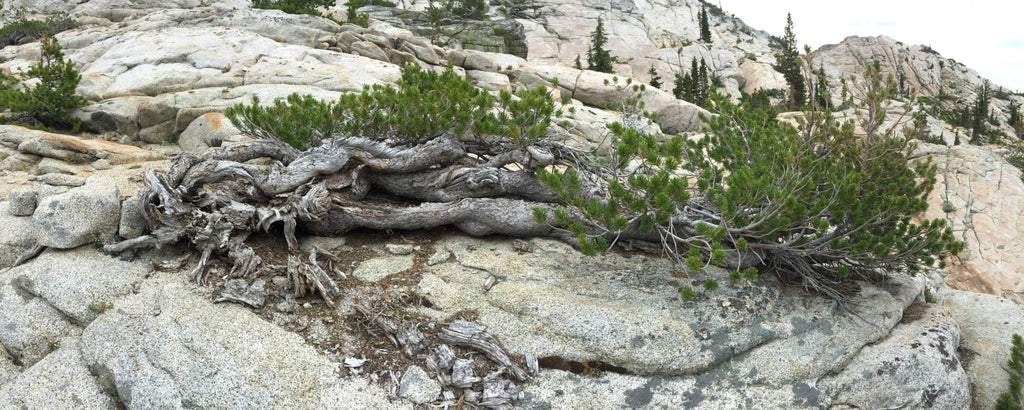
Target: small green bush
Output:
[(26, 31), (687, 293), (362, 3), (300, 120), (308, 7), (423, 105), (1014, 398), (362, 19), (818, 204), (49, 101), (101, 307)]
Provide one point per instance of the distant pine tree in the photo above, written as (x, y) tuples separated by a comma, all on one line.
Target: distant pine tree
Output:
[(578, 64), (703, 84), (1014, 398), (695, 85), (1015, 121), (705, 28), (821, 95), (599, 58), (788, 63), (680, 85), (979, 112), (655, 78)]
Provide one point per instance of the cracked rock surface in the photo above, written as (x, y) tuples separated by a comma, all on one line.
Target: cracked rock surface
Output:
[(981, 195)]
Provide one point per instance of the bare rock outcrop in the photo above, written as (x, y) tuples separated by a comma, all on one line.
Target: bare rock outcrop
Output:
[(981, 195), (914, 67), (167, 347), (90, 213)]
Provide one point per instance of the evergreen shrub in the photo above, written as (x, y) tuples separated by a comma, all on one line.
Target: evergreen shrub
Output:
[(816, 205), (26, 30), (421, 106), (1014, 398), (308, 7), (49, 100)]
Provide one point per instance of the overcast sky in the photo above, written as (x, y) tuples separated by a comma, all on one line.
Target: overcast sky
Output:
[(986, 35)]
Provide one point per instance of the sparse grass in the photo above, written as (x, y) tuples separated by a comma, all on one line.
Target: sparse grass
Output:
[(100, 307), (687, 293), (948, 207), (929, 297)]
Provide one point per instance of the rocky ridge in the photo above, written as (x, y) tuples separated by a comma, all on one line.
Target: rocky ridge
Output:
[(610, 328)]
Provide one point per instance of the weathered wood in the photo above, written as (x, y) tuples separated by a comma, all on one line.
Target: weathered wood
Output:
[(475, 216), (245, 262), (469, 334), (309, 275), (217, 199), (440, 151), (459, 181), (532, 365), (440, 361), (499, 394), (462, 374), (30, 254), (239, 291)]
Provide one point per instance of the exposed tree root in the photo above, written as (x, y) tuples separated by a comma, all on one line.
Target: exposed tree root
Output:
[(215, 200)]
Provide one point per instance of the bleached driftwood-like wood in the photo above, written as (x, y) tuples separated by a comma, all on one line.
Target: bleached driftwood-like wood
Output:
[(473, 335), (218, 198)]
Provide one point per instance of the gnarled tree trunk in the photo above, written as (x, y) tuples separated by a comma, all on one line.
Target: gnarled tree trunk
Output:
[(217, 199)]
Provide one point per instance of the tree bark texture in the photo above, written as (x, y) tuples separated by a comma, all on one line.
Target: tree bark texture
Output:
[(217, 199)]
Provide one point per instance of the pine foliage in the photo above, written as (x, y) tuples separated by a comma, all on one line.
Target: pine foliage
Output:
[(308, 7), (979, 112), (49, 100), (423, 105), (27, 30), (705, 27), (599, 58), (1014, 118), (299, 120), (1014, 398), (816, 205), (456, 9), (655, 78), (695, 85), (788, 62)]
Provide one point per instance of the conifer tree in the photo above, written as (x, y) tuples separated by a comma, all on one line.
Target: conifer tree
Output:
[(655, 78), (577, 63), (818, 205), (788, 63), (680, 85), (50, 99), (1015, 121), (599, 58), (469, 9), (693, 93), (695, 85), (703, 89), (705, 28), (1014, 398), (821, 95), (979, 112), (310, 7)]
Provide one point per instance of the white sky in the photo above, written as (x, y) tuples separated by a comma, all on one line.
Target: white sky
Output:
[(985, 35)]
